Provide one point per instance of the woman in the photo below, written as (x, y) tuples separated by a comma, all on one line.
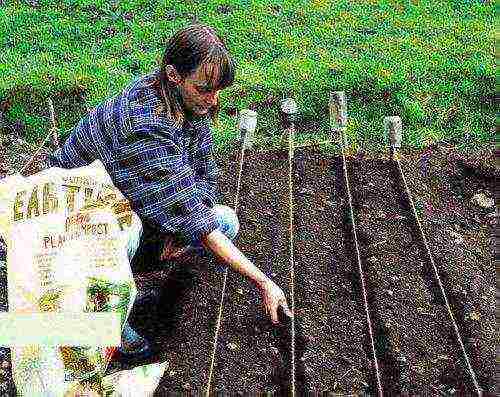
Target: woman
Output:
[(155, 142)]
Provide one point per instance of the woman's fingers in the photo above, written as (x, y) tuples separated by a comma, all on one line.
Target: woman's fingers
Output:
[(274, 310), (171, 250), (272, 298), (167, 248)]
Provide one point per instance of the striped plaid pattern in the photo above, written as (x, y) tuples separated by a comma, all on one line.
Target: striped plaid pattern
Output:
[(167, 173)]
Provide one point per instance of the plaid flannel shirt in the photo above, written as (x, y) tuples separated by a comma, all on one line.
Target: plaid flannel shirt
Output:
[(167, 173)]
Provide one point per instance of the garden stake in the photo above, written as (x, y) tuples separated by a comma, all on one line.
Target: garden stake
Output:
[(338, 113), (393, 129), (36, 153), (55, 137), (338, 121), (289, 111), (247, 124), (248, 121)]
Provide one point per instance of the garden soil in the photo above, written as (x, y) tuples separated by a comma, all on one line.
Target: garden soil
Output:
[(415, 344)]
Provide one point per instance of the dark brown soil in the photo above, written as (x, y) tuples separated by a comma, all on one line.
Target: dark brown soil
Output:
[(415, 345), (252, 356)]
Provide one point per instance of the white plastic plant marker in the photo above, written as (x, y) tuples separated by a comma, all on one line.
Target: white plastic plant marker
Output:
[(247, 124), (289, 106)]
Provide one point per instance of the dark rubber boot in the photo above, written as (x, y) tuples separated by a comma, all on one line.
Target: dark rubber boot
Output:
[(134, 346)]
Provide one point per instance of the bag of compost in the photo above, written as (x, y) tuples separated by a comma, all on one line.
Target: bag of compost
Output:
[(67, 233)]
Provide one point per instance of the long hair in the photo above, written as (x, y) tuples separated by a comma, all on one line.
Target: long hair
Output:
[(186, 50)]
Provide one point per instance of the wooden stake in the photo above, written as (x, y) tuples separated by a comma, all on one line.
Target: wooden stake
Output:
[(338, 112), (393, 128), (55, 136)]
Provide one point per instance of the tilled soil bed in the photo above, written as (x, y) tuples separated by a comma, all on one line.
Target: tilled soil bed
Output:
[(415, 344)]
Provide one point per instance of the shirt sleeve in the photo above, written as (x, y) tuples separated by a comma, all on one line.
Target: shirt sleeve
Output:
[(149, 169), (75, 151), (206, 178), (206, 169), (208, 190)]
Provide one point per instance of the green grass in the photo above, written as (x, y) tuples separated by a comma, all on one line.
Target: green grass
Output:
[(433, 65)]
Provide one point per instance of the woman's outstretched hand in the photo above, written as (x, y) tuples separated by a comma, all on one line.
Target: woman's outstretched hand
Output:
[(171, 249), (272, 298), (226, 252)]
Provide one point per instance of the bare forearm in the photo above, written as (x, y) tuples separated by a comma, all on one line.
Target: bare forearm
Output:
[(227, 253)]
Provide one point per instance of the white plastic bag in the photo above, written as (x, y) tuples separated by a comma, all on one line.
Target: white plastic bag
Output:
[(138, 382)]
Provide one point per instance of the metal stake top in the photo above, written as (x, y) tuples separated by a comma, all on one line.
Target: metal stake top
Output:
[(289, 106), (289, 112)]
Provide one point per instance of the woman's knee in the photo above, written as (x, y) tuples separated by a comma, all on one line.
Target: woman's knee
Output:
[(228, 219)]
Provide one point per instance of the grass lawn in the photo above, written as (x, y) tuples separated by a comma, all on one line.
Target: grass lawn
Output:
[(431, 63)]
